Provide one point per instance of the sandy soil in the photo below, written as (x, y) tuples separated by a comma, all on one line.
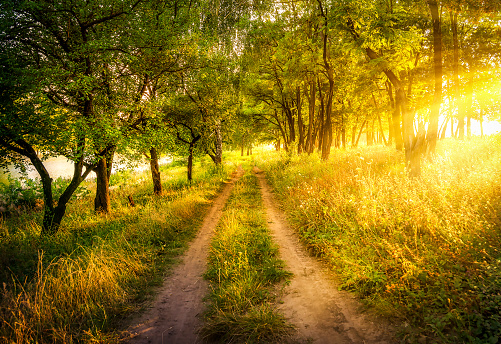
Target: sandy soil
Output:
[(312, 301), (174, 315)]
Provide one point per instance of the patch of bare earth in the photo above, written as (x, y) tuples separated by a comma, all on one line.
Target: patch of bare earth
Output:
[(174, 316), (312, 301)]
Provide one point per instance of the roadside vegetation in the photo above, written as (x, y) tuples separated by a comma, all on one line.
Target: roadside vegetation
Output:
[(245, 273), (425, 250), (77, 285)]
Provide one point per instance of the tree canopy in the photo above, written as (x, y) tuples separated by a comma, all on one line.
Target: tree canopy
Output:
[(85, 79)]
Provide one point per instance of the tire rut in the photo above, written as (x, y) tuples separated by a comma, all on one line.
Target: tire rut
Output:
[(174, 316), (312, 301)]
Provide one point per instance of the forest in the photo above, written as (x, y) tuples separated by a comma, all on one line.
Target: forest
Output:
[(369, 119)]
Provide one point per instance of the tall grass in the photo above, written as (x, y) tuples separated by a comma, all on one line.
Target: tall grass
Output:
[(425, 250), (243, 270), (78, 285)]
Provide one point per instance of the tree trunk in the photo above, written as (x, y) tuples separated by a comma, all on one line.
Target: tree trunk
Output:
[(190, 162), (389, 91), (444, 128), (468, 127), (432, 134), (282, 128), (109, 161), (300, 124), (219, 144), (360, 132), (396, 118), (321, 112), (52, 218), (368, 135), (343, 131), (311, 118), (102, 199), (155, 172), (460, 129), (412, 162), (327, 139), (381, 129), (469, 105), (455, 75), (290, 121), (390, 130), (353, 134)]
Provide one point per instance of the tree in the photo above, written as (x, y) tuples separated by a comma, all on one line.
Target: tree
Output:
[(432, 134), (65, 49)]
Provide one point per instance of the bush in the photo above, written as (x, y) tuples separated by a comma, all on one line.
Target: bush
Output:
[(25, 193)]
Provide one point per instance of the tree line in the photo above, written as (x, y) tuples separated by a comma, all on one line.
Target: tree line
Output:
[(328, 71), (90, 79)]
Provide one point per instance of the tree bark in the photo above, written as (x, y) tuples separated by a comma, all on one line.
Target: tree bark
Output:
[(311, 117), (155, 172), (321, 112), (190, 161), (102, 199), (52, 218), (290, 121), (282, 129), (218, 158), (300, 125), (327, 129)]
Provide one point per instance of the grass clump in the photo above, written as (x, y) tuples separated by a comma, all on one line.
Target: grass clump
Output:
[(244, 270), (425, 250), (78, 285)]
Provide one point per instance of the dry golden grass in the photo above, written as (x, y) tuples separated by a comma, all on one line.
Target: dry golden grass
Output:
[(77, 285), (427, 249)]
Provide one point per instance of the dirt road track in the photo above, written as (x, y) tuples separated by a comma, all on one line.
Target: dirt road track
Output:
[(173, 318), (312, 302)]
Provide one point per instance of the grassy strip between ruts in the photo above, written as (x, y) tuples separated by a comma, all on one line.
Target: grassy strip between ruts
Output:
[(426, 250), (77, 285), (244, 271)]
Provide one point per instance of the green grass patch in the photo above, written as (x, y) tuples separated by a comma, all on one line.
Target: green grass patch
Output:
[(244, 272), (78, 285), (427, 250)]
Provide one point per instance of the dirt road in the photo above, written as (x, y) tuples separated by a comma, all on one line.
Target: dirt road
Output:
[(312, 301), (173, 318)]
